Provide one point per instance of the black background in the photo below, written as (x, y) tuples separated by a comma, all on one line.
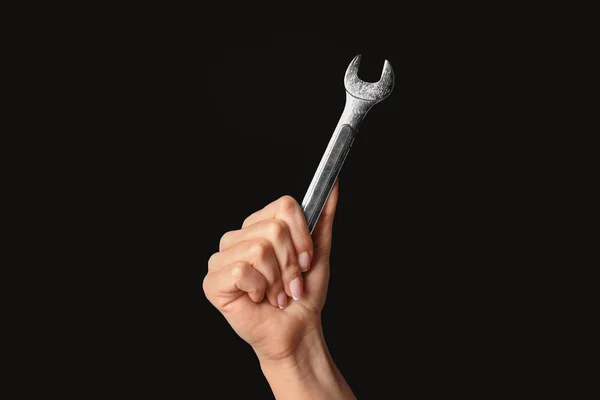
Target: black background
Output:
[(144, 134), (191, 136), (410, 253), (277, 99)]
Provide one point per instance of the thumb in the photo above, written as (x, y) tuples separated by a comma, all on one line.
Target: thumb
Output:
[(322, 233)]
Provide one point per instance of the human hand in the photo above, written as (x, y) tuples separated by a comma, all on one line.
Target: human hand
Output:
[(250, 281), (259, 270)]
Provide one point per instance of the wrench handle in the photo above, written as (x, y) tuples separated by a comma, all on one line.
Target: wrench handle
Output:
[(326, 174)]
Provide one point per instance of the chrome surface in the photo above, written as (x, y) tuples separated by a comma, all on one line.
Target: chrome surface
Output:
[(361, 96)]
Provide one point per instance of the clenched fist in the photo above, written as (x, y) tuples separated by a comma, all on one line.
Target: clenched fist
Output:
[(269, 280)]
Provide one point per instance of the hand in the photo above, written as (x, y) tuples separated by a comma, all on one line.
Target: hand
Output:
[(257, 273), (252, 280)]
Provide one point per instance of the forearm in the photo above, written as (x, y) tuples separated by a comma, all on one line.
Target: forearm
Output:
[(309, 373)]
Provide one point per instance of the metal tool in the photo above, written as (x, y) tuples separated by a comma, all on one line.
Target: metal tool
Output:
[(360, 97)]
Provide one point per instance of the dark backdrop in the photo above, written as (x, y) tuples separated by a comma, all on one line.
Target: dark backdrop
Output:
[(406, 246), (216, 128), (277, 99)]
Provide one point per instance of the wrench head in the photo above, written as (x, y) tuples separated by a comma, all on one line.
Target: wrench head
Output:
[(373, 92)]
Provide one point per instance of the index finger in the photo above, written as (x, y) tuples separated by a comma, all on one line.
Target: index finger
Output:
[(288, 210)]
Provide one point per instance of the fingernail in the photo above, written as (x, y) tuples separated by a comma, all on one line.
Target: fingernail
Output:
[(304, 261), (296, 288), (282, 300)]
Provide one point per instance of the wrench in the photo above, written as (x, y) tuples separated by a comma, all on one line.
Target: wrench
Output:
[(360, 97)]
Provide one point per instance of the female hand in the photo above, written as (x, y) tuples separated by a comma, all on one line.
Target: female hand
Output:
[(258, 272), (269, 280)]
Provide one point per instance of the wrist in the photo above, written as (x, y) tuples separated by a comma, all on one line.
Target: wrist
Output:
[(306, 358), (308, 372)]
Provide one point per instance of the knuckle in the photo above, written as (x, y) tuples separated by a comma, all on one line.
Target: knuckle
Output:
[(205, 283), (277, 229), (225, 239), (260, 248), (304, 243), (257, 290), (287, 204), (212, 261), (289, 268), (276, 287), (257, 293), (239, 270), (287, 260), (309, 242), (248, 220)]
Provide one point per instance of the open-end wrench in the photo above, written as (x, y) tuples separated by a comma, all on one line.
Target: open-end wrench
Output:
[(360, 97)]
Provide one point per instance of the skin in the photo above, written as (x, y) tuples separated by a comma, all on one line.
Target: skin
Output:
[(253, 279)]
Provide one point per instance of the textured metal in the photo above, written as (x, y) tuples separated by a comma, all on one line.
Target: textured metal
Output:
[(360, 97)]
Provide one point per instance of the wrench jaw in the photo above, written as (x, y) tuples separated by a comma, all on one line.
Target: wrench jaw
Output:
[(372, 92), (361, 96), (387, 79)]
